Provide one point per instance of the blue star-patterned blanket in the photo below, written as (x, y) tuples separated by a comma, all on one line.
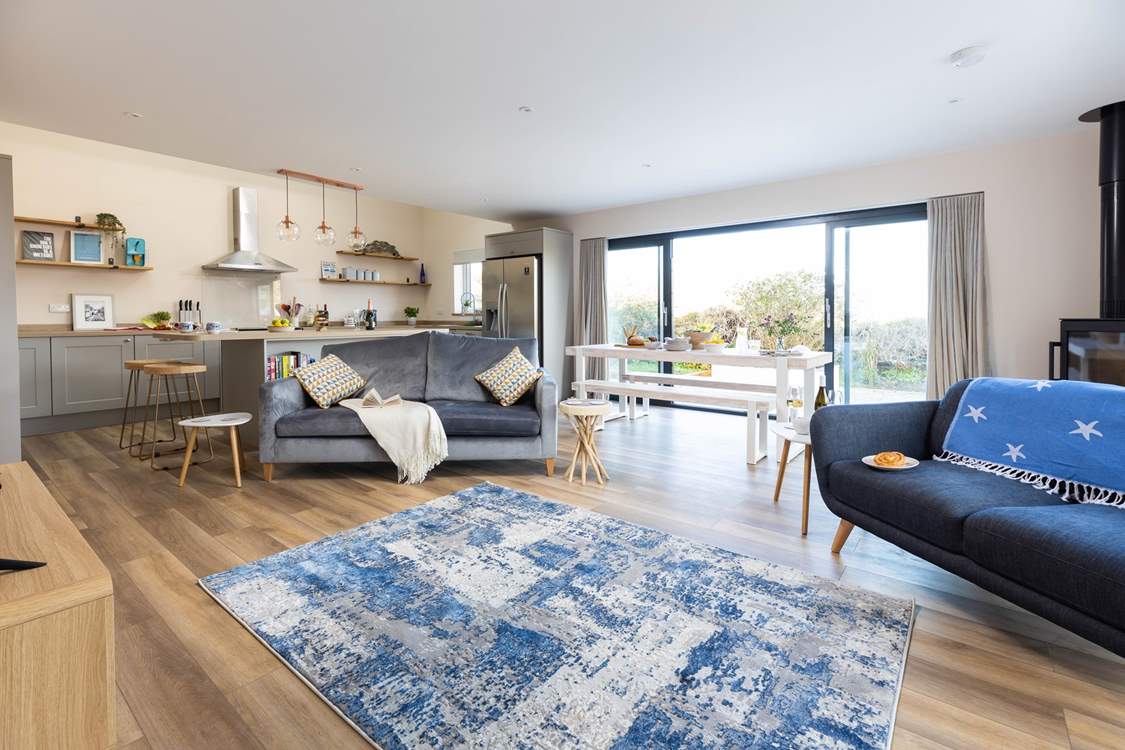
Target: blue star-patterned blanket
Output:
[(1063, 436)]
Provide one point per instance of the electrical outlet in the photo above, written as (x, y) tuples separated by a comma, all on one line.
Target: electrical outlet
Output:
[(441, 313), (58, 307)]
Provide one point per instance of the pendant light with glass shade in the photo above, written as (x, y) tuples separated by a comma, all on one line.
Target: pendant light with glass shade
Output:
[(324, 234), (287, 229), (356, 238)]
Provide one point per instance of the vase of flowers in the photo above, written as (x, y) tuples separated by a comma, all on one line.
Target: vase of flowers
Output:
[(778, 328)]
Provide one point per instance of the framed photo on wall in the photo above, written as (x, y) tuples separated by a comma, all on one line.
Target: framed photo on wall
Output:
[(86, 247), (38, 245), (91, 312)]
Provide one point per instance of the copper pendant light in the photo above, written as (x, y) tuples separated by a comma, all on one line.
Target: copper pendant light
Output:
[(287, 229)]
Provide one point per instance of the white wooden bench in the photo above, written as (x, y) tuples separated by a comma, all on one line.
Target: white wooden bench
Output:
[(757, 406)]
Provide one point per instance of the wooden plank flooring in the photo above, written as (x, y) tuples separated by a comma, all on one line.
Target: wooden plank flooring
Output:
[(981, 672)]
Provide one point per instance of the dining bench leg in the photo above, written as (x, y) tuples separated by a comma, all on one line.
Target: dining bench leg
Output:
[(842, 532)]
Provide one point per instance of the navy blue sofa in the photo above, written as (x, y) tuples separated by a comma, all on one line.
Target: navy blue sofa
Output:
[(1063, 561)]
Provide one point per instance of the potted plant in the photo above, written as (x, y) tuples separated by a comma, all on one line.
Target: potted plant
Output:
[(411, 315)]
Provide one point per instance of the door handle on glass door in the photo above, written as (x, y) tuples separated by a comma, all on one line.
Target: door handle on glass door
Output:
[(827, 314)]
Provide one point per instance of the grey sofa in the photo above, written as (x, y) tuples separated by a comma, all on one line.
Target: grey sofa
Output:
[(436, 368), (1063, 561)]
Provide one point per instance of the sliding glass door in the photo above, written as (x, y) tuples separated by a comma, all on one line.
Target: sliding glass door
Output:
[(853, 283)]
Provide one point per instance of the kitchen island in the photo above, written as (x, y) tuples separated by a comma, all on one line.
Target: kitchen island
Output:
[(244, 357)]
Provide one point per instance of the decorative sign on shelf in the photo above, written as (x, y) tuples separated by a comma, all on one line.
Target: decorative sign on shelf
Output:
[(86, 247), (38, 245), (135, 251), (328, 269)]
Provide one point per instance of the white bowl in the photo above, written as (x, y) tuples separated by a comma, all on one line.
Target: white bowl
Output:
[(653, 345), (281, 329), (714, 348)]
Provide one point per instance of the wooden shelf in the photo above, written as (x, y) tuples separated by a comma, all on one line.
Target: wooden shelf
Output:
[(361, 281), (380, 256), (86, 266), (63, 223)]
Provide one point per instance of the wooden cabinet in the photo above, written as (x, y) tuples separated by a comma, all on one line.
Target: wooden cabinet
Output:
[(88, 373), (56, 626), (35, 377)]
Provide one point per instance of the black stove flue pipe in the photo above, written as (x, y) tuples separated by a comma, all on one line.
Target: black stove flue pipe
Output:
[(1111, 177)]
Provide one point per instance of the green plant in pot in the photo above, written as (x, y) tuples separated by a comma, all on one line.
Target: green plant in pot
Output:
[(161, 319), (411, 315)]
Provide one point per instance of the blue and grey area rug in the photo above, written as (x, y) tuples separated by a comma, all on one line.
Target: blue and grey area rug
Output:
[(493, 618)]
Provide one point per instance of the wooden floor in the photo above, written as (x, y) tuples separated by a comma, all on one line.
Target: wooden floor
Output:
[(981, 673)]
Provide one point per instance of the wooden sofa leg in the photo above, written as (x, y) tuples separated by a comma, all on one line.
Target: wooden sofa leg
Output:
[(842, 532), (267, 472), (550, 467)]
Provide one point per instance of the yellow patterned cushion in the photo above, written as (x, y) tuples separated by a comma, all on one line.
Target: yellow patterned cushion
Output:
[(510, 378), (329, 380)]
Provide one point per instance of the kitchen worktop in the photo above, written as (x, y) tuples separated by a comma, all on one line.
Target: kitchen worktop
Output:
[(332, 332), (49, 330)]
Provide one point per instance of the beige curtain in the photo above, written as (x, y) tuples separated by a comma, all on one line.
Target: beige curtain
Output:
[(592, 300), (957, 291)]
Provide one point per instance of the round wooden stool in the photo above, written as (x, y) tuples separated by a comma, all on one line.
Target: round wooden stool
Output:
[(788, 436), (133, 400), (231, 421), (163, 376), (584, 414)]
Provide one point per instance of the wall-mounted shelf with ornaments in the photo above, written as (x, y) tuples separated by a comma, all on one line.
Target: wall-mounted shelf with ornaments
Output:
[(59, 262), (378, 256), (363, 281)]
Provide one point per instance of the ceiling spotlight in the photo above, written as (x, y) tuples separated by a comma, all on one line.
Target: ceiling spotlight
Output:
[(647, 165), (134, 115), (967, 57), (355, 169), (954, 100), (525, 109)]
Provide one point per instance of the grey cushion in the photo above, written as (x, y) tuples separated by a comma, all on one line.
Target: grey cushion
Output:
[(470, 418), (455, 360), (1071, 553), (335, 421), (931, 501), (396, 364)]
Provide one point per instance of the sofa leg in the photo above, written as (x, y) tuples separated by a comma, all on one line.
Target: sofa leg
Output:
[(842, 532), (550, 467), (267, 472)]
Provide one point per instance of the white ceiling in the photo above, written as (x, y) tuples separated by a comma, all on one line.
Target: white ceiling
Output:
[(424, 95)]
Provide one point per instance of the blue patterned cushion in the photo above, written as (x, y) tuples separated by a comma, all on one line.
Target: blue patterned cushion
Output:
[(329, 380), (510, 378)]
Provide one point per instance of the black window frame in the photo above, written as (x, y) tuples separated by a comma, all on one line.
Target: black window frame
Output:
[(832, 221)]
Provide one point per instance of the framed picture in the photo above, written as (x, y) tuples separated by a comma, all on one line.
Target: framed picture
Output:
[(91, 312), (134, 251), (38, 245), (86, 247), (328, 269)]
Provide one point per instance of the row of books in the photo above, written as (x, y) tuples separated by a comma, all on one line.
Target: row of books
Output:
[(280, 366)]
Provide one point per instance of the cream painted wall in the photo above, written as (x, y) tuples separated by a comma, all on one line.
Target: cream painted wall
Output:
[(443, 234), (183, 210), (1041, 225)]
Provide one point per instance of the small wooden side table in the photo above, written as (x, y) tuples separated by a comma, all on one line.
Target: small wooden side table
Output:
[(231, 421), (585, 415), (788, 436)]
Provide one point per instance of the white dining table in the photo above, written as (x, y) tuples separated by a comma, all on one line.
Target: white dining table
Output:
[(810, 364)]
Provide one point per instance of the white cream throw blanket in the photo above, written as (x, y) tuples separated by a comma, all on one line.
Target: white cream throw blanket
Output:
[(410, 433)]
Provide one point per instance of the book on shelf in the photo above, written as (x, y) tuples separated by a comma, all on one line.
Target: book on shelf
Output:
[(281, 366)]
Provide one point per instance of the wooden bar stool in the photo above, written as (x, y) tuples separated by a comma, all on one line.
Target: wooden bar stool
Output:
[(163, 377), (788, 436), (133, 400), (231, 421), (586, 415)]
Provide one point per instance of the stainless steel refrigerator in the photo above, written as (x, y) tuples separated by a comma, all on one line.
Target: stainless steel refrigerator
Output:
[(512, 298)]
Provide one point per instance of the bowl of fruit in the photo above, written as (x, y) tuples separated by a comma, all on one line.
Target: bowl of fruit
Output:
[(653, 343), (715, 344), (280, 325)]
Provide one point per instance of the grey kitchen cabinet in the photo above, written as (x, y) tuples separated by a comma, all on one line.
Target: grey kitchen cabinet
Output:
[(213, 358), (35, 377), (150, 347), (88, 373)]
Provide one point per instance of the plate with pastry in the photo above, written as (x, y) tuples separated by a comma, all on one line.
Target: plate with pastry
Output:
[(890, 461)]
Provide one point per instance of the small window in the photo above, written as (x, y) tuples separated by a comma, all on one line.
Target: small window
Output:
[(467, 287)]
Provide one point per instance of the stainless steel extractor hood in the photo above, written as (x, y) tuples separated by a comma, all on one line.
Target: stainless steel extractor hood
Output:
[(246, 256)]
